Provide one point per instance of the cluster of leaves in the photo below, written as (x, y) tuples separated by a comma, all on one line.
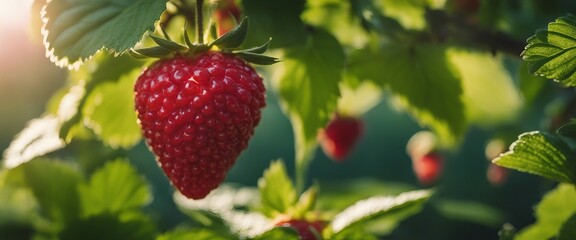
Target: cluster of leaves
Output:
[(224, 210), (550, 53), (58, 201)]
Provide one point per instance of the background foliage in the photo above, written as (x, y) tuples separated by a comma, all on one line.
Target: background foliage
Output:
[(80, 169)]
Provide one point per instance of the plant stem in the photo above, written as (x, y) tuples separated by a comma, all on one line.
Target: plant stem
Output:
[(199, 22)]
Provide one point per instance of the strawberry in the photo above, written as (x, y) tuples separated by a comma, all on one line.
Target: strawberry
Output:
[(197, 114), (428, 167), (226, 15), (306, 230), (340, 136)]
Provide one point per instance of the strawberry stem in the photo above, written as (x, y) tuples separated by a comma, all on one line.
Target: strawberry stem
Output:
[(199, 22)]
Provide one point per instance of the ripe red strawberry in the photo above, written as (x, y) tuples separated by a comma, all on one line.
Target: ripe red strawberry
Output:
[(428, 167), (306, 230), (226, 15), (340, 136), (197, 115)]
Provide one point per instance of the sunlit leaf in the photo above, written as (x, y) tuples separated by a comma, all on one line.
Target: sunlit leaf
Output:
[(54, 184), (542, 154), (555, 209), (335, 16), (410, 13), (308, 87), (114, 188), (552, 52), (38, 138), (358, 99), (373, 207), (75, 30), (306, 202), (277, 192), (423, 79), (489, 94), (128, 226), (109, 111), (225, 202)]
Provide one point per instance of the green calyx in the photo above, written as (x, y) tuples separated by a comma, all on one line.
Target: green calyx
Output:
[(229, 43)]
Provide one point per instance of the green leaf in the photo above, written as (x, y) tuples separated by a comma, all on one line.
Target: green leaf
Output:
[(475, 212), (542, 154), (409, 13), (54, 184), (168, 44), (101, 69), (308, 88), (279, 233), (257, 58), (357, 97), (568, 129), (552, 52), (277, 192), (306, 202), (410, 72), (197, 234), (39, 137), (556, 208), (507, 232), (234, 38), (114, 188), (258, 49), (338, 195), (17, 203), (222, 210), (109, 111), (568, 230), (365, 210), (493, 80), (356, 232), (279, 19), (75, 30), (336, 16), (126, 226)]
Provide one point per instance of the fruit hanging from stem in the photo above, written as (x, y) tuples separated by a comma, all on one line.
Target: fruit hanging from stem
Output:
[(198, 107)]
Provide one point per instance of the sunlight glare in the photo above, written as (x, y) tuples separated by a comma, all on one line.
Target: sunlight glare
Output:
[(14, 14)]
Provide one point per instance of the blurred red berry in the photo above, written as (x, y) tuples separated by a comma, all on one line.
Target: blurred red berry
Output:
[(428, 167), (226, 15), (496, 175), (340, 136)]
